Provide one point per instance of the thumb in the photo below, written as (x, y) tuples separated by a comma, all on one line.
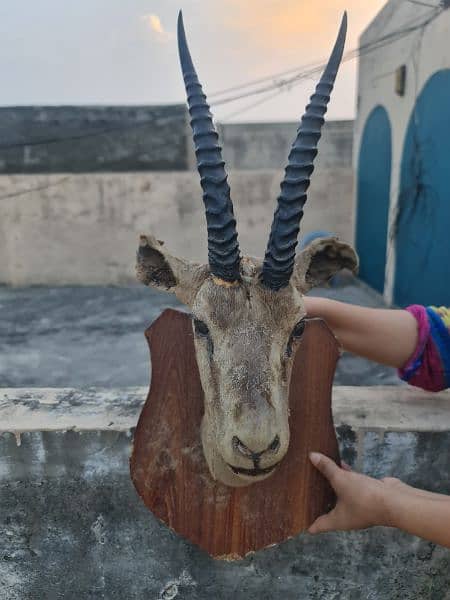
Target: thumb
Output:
[(323, 524), (325, 465)]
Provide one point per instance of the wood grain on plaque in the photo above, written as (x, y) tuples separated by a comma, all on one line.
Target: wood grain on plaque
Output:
[(171, 475)]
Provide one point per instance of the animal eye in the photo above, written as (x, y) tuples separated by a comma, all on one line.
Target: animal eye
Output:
[(201, 328), (299, 329), (297, 333)]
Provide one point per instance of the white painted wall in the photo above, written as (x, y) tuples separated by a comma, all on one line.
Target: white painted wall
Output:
[(267, 145), (381, 408), (424, 52), (83, 229)]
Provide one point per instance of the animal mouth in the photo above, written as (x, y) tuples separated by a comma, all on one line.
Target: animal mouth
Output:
[(256, 472)]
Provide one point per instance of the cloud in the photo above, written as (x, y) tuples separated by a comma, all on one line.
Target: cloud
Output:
[(154, 22), (294, 24)]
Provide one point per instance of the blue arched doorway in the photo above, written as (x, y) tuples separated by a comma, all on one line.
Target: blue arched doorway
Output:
[(373, 197), (422, 273)]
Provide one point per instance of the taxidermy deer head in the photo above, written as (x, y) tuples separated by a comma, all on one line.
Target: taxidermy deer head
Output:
[(248, 314)]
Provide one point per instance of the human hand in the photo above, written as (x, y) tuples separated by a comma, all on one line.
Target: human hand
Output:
[(361, 500), (364, 502)]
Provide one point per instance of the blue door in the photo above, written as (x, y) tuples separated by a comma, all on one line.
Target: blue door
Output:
[(422, 274), (373, 198)]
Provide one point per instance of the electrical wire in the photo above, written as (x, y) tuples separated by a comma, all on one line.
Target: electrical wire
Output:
[(38, 188), (363, 50), (350, 55), (263, 79), (422, 3), (282, 85), (317, 66), (248, 107), (78, 136)]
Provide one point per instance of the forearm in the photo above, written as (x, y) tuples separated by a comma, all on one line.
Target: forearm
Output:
[(364, 502), (420, 514), (385, 336)]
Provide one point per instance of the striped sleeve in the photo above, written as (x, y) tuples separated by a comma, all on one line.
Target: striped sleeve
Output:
[(429, 366)]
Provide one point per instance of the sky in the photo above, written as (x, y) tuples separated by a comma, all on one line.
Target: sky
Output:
[(124, 51)]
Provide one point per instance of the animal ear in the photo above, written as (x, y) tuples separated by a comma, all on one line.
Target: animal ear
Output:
[(320, 260), (157, 268)]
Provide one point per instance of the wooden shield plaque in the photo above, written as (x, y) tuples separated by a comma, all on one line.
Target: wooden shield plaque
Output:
[(170, 473)]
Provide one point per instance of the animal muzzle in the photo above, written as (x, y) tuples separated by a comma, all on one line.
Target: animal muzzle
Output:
[(254, 463)]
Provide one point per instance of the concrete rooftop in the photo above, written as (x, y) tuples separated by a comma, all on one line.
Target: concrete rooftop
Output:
[(94, 336), (71, 523), (72, 526)]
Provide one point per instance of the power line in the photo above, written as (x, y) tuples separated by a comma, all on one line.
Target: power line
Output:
[(265, 99), (282, 85), (423, 3), (78, 136), (350, 55), (263, 79), (390, 38), (252, 105), (38, 188)]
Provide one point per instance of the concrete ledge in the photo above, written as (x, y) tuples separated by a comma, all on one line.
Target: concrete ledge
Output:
[(389, 408), (384, 408), (72, 526), (67, 409)]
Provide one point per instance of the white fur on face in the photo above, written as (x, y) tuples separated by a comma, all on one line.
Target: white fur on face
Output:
[(245, 342), (245, 352)]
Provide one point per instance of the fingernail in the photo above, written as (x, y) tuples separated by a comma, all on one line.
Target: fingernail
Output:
[(314, 457)]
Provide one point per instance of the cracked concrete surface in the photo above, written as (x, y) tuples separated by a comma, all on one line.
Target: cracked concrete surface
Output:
[(72, 527), (94, 336), (71, 524)]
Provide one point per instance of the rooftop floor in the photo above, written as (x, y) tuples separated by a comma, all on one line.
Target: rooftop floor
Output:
[(94, 336)]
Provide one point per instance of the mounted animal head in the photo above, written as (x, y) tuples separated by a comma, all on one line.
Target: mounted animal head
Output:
[(248, 314)]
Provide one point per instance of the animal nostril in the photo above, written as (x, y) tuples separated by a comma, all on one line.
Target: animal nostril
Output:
[(245, 451), (275, 445), (241, 448)]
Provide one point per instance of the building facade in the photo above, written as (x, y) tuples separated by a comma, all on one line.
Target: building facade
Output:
[(402, 153)]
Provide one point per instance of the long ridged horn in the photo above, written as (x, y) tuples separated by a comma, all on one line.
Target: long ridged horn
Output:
[(280, 254), (223, 248)]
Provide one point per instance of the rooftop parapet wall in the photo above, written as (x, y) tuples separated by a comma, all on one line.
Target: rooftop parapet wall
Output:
[(85, 139), (69, 509), (267, 145), (88, 139), (74, 229)]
